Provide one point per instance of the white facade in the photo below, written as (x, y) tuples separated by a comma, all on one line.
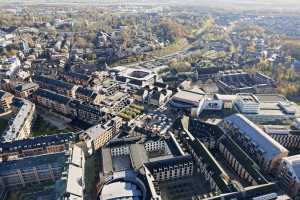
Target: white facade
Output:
[(120, 151), (155, 146), (247, 104), (297, 123), (9, 67), (213, 104), (21, 124), (173, 171)]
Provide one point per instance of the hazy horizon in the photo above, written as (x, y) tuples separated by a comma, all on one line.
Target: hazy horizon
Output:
[(278, 5)]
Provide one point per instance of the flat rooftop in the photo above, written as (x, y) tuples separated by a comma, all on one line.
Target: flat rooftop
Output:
[(188, 96), (247, 98), (271, 98)]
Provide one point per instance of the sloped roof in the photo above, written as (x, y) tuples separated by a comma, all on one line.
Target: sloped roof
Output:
[(270, 147)]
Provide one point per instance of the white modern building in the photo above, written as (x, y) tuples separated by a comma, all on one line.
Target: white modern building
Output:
[(247, 103), (21, 123), (290, 175), (75, 179), (9, 67)]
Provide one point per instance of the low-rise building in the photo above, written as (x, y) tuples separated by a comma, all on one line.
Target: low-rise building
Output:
[(159, 97), (52, 100), (232, 82), (290, 175), (58, 86), (263, 148), (135, 77), (20, 126), (25, 90), (87, 95), (99, 135), (170, 169), (75, 189), (9, 67), (5, 101), (32, 170), (247, 103), (77, 78), (85, 112), (35, 146)]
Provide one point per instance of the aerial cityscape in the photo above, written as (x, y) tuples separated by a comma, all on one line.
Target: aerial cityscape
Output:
[(149, 100)]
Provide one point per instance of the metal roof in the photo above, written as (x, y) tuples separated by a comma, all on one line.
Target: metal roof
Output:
[(246, 127)]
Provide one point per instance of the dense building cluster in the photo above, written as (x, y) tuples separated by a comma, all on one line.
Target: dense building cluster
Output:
[(188, 118)]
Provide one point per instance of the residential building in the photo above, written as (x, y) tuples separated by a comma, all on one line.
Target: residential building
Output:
[(35, 146), (77, 78), (25, 90), (87, 95), (85, 112), (32, 170), (58, 86), (20, 125), (289, 175), (263, 148), (99, 135), (242, 164), (170, 169), (289, 138), (52, 100), (5, 101), (247, 103), (9, 67), (75, 189)]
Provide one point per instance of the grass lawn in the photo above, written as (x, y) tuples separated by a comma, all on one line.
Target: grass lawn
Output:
[(42, 127)]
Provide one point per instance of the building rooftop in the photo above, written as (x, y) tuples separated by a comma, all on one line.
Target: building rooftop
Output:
[(75, 182), (271, 98), (251, 167), (225, 97), (121, 190), (78, 75), (36, 142), (269, 147), (53, 82), (138, 155), (19, 120), (26, 86), (52, 96), (106, 161), (33, 161), (4, 94), (189, 97), (95, 131), (167, 162), (85, 91), (294, 166), (247, 98)]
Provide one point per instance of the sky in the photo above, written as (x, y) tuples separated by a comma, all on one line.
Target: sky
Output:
[(276, 4)]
